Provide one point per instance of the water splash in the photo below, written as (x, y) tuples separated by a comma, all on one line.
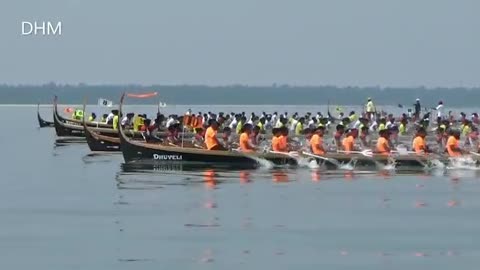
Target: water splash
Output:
[(390, 166), (265, 164), (463, 163), (350, 166), (436, 164)]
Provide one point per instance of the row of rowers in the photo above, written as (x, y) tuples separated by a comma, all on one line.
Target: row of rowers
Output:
[(295, 123), (314, 141)]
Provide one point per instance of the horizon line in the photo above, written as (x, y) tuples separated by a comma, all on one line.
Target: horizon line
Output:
[(273, 85)]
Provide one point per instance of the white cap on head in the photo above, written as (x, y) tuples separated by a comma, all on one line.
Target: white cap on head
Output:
[(418, 99)]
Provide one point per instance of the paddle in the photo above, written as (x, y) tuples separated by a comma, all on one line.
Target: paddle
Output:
[(291, 154), (331, 160), (475, 154), (366, 153)]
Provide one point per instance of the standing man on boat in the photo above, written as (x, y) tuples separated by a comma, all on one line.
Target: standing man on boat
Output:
[(417, 109), (370, 108), (440, 112)]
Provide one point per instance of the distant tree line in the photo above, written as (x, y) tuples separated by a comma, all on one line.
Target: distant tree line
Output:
[(241, 94)]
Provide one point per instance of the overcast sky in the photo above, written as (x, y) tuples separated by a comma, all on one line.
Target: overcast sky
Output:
[(256, 42)]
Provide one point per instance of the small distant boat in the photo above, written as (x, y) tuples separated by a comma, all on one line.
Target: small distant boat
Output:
[(41, 122)]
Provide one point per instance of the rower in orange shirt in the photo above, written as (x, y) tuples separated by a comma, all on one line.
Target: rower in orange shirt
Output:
[(245, 144), (419, 145), (383, 146), (279, 141), (348, 142), (453, 148), (316, 142), (211, 140)]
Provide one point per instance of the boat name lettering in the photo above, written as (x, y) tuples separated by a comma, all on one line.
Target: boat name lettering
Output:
[(167, 157)]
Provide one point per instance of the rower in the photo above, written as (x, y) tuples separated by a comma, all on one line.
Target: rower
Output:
[(278, 141), (299, 126), (365, 142), (137, 122), (172, 135), (453, 148), (104, 118), (316, 142), (240, 124), (338, 135), (402, 129), (244, 142), (348, 142), (127, 121), (261, 124), (78, 114), (255, 136), (419, 145), (383, 145), (284, 138), (211, 140), (198, 139), (115, 120), (466, 127), (110, 116), (383, 124), (92, 117)]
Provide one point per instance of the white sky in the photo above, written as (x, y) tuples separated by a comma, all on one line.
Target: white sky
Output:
[(256, 42)]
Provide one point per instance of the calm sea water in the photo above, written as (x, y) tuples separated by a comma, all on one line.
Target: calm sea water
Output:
[(64, 209)]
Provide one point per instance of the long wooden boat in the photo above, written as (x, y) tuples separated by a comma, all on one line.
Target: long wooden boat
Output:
[(66, 128), (141, 152), (41, 122), (401, 162), (97, 142), (78, 122), (72, 127)]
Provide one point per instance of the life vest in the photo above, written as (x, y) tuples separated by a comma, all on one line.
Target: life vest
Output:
[(186, 120), (402, 129), (78, 114), (199, 122), (370, 107), (115, 122), (261, 126), (299, 129)]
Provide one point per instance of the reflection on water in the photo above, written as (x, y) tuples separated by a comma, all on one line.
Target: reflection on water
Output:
[(61, 201)]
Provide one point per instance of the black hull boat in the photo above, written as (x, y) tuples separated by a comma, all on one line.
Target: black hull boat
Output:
[(375, 162), (148, 153), (65, 128), (41, 122), (101, 143), (72, 127)]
